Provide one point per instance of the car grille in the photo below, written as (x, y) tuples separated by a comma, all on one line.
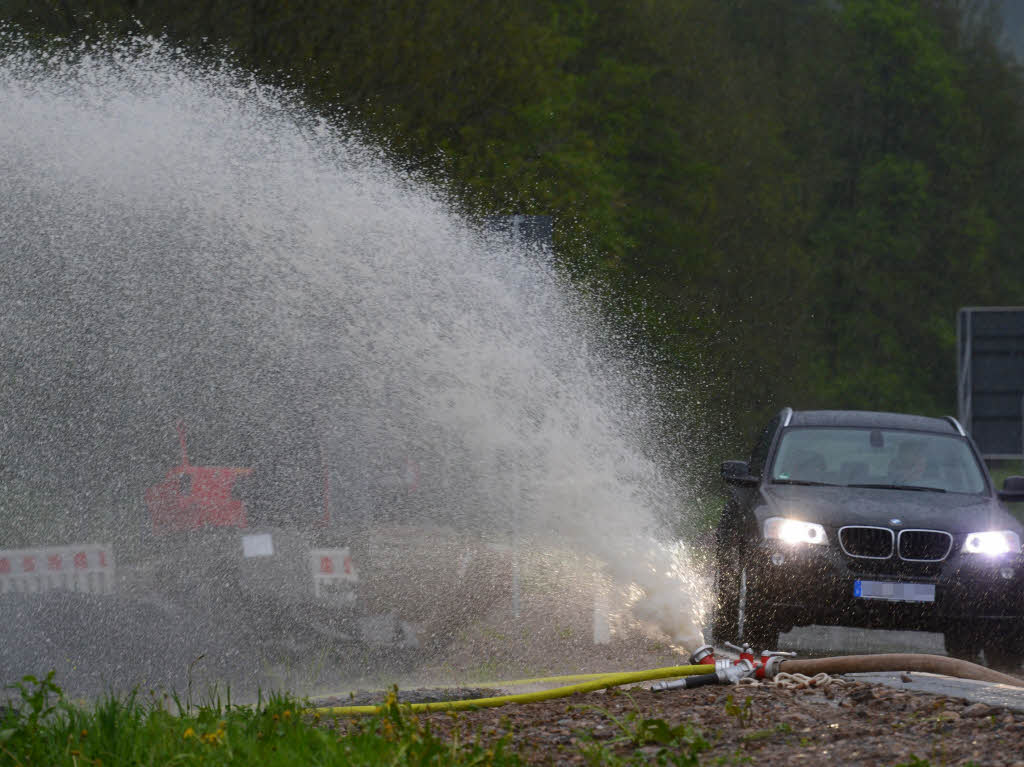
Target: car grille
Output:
[(924, 545), (866, 542)]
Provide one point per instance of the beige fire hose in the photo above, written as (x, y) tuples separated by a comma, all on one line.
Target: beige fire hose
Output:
[(929, 664)]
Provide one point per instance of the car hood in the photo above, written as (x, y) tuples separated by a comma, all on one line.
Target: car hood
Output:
[(838, 506)]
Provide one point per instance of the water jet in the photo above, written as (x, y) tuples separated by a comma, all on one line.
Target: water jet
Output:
[(184, 242)]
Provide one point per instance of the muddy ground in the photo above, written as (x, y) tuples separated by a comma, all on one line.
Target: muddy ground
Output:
[(852, 724)]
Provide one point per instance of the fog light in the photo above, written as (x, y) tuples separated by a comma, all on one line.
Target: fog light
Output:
[(778, 559), (1006, 572)]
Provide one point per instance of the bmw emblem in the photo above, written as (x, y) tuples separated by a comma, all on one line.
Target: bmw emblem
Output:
[(895, 521)]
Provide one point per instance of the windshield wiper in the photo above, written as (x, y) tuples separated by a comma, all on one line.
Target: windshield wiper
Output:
[(918, 488), (802, 482)]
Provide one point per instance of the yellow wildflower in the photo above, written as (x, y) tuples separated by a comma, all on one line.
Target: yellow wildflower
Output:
[(189, 733), (213, 738)]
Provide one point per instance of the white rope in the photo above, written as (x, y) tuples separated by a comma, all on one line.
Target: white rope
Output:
[(794, 681)]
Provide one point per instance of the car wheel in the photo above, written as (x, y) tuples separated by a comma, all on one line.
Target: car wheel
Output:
[(999, 657), (724, 623), (740, 614), (1004, 650), (961, 641), (757, 624)]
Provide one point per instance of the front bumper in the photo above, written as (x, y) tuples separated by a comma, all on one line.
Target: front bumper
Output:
[(805, 584)]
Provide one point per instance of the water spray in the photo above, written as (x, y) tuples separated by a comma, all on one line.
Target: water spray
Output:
[(185, 242)]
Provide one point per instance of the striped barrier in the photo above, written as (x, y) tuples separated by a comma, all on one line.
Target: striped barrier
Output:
[(334, 574), (86, 568)]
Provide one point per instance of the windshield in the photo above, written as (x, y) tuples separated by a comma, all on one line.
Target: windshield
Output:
[(852, 456)]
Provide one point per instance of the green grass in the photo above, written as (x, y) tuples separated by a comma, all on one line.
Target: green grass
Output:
[(1000, 470), (44, 728), (40, 726)]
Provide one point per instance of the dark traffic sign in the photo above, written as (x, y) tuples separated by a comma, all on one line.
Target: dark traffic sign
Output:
[(528, 230), (990, 378)]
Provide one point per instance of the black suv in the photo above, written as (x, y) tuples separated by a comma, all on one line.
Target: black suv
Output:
[(877, 520)]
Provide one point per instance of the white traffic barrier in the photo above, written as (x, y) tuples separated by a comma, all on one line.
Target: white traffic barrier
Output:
[(334, 574), (86, 568)]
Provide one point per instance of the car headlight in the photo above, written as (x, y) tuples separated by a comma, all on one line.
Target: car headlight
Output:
[(794, 531), (992, 542)]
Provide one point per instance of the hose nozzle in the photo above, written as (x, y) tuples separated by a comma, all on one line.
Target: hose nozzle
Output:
[(725, 673)]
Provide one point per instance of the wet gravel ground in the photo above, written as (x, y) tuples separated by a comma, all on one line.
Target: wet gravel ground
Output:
[(854, 724)]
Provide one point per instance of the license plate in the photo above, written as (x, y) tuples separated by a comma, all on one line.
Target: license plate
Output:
[(894, 592)]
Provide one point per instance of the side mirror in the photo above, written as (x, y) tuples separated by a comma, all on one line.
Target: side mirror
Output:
[(738, 473), (1013, 490)]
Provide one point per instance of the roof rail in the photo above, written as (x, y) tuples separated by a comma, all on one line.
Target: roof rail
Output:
[(956, 425), (787, 415)]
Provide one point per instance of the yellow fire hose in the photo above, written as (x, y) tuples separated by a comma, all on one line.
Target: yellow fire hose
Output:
[(546, 679), (935, 664), (597, 682)]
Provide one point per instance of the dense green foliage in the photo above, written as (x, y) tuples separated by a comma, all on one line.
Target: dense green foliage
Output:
[(795, 196)]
